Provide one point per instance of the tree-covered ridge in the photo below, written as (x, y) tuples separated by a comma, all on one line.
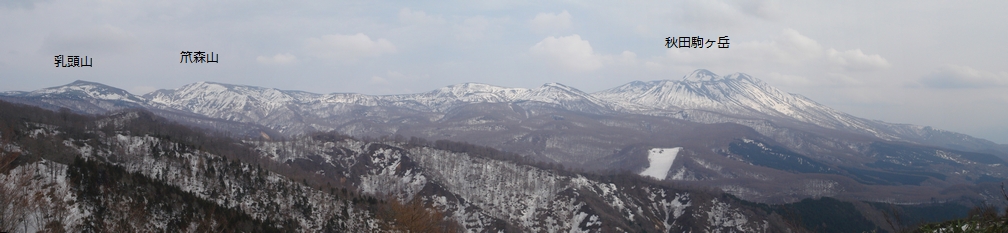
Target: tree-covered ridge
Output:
[(130, 170)]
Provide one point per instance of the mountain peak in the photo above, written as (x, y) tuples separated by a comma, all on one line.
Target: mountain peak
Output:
[(205, 84), (557, 89), (81, 89), (702, 75), (84, 83), (471, 88), (556, 85), (78, 84), (215, 87)]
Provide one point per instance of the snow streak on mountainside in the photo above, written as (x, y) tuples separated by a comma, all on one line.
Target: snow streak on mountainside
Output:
[(660, 161)]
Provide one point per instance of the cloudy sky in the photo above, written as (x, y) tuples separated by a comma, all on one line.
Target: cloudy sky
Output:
[(937, 63)]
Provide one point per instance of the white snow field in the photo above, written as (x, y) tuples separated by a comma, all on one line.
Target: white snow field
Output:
[(660, 161)]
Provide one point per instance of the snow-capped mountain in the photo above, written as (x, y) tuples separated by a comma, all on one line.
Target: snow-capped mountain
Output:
[(705, 97), (738, 95), (551, 94), (214, 98), (84, 90), (294, 112), (701, 96)]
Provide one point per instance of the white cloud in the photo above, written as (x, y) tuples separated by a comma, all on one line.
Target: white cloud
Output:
[(547, 22), (790, 60), (628, 57), (348, 47), (719, 14), (798, 45), (789, 48), (279, 59), (855, 60), (570, 52), (955, 76), (407, 16)]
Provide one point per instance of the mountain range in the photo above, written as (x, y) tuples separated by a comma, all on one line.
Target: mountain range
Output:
[(737, 133)]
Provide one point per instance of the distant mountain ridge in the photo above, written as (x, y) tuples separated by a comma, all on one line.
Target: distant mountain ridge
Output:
[(84, 89), (701, 96)]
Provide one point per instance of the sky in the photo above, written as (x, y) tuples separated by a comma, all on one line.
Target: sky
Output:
[(935, 63)]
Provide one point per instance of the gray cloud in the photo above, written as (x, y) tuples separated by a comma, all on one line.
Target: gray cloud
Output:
[(856, 60), (768, 9), (20, 4), (956, 76), (106, 39)]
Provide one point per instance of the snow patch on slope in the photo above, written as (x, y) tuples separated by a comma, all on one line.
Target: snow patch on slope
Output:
[(660, 161)]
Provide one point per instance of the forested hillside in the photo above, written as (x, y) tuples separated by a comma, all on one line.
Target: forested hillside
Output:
[(133, 171)]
